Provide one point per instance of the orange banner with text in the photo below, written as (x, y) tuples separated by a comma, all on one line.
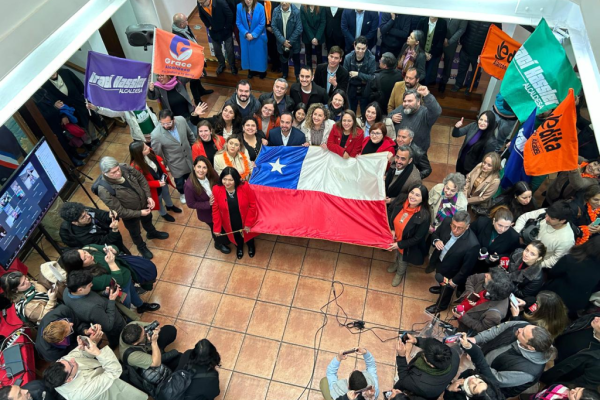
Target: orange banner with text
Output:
[(174, 55), (498, 51)]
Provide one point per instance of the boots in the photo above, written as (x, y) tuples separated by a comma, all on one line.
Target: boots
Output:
[(397, 280), (144, 252)]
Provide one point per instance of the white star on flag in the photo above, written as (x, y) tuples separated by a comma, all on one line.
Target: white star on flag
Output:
[(276, 166)]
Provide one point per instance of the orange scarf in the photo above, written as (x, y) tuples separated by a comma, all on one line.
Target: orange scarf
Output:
[(585, 230), (228, 162), (208, 9), (585, 174)]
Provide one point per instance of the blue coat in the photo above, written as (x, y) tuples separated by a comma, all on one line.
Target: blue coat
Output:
[(297, 138), (254, 52), (293, 29), (369, 28)]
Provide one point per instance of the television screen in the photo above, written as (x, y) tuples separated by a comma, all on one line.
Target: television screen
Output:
[(25, 199)]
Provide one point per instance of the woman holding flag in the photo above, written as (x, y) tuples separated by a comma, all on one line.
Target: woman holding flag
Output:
[(171, 93)]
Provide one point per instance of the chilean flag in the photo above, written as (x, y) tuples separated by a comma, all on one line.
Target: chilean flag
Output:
[(314, 193)]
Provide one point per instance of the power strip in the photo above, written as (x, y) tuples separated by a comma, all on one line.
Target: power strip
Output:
[(13, 338)]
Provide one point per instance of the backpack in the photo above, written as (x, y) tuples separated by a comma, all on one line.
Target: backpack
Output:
[(100, 181), (177, 384), (133, 377)]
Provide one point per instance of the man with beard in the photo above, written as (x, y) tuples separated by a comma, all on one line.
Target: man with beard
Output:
[(418, 118), (405, 138), (402, 175), (411, 81), (285, 134), (243, 98)]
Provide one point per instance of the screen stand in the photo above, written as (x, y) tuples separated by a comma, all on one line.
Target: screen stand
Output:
[(74, 173), (50, 240)]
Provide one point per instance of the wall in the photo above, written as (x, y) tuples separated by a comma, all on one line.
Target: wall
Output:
[(124, 17), (167, 8)]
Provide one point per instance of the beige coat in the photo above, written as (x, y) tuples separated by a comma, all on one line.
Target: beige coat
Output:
[(484, 192), (237, 162), (326, 131), (36, 309), (98, 379), (435, 198), (397, 96)]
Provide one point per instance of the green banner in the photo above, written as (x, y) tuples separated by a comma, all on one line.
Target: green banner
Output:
[(540, 75)]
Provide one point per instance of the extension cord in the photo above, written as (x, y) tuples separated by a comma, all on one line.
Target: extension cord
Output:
[(13, 338)]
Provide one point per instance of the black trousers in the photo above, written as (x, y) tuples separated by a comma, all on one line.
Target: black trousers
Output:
[(310, 50), (464, 61), (239, 241), (222, 240), (133, 226), (121, 246), (180, 182), (272, 51), (449, 53), (285, 67)]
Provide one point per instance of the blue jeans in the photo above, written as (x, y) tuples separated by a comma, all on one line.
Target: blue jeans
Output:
[(132, 296)]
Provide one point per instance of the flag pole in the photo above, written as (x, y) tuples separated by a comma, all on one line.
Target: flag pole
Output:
[(86, 103), (153, 49), (474, 78)]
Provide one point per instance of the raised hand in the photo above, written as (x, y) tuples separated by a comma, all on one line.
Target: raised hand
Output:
[(460, 123)]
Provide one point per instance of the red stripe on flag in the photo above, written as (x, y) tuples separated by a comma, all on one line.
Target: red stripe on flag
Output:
[(318, 215)]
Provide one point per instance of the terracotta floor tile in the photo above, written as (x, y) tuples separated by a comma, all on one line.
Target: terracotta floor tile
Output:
[(315, 395), (189, 334), (383, 255), (118, 151), (215, 254), (266, 236), (234, 313), (228, 344), (245, 281), (281, 391), (268, 320), (181, 269), (262, 256), (224, 379), (194, 222), (354, 250), (246, 387), (413, 314), (323, 360), (336, 337), (453, 154), (352, 270), (294, 365), (174, 232), (303, 242), (213, 275), (287, 258), (278, 287), (380, 279), (351, 300), (193, 241), (312, 294), (162, 320), (456, 141), (324, 245), (183, 217), (200, 306), (440, 134), (319, 264), (257, 356), (384, 352), (438, 153), (418, 283), (170, 296), (438, 173), (302, 326), (383, 308)]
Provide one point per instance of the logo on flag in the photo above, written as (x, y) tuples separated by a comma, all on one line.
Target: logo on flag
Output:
[(116, 83), (174, 55), (498, 51), (313, 193)]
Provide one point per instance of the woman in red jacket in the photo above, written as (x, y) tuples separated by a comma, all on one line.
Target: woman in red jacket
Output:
[(378, 141), (208, 142), (346, 138), (151, 166), (234, 210)]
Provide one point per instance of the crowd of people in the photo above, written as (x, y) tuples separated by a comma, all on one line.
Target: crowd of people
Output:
[(521, 282)]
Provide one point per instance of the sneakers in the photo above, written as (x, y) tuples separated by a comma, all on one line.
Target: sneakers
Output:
[(176, 210), (157, 235), (182, 198), (144, 252), (168, 217), (397, 280)]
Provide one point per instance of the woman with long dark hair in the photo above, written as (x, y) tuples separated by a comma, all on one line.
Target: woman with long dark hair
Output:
[(299, 115), (479, 140), (267, 117), (518, 198), (202, 361), (226, 123), (234, 210), (372, 115), (338, 103), (413, 55), (409, 222), (525, 270), (151, 166), (208, 143), (589, 212), (199, 196), (346, 137), (32, 300), (252, 137)]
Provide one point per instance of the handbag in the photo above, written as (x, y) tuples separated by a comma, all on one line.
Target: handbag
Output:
[(144, 271)]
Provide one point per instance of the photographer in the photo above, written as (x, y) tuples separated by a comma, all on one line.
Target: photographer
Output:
[(142, 346), (366, 381)]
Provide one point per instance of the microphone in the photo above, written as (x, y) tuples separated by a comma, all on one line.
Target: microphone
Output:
[(483, 253)]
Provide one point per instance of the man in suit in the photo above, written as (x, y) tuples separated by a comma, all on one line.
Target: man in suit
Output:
[(454, 30), (331, 75), (172, 139), (284, 102), (218, 20), (402, 175), (405, 137), (306, 91), (455, 254), (333, 28), (435, 33), (286, 134), (357, 23)]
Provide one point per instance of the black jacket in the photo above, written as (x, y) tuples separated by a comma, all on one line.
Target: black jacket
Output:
[(380, 88), (220, 24), (333, 26), (420, 383), (48, 351), (528, 281), (341, 75), (421, 161), (394, 32), (439, 35), (474, 37), (289, 103), (79, 236), (413, 241), (205, 387), (504, 244), (474, 155), (460, 259), (574, 281), (317, 94), (39, 391)]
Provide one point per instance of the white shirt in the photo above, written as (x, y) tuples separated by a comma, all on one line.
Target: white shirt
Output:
[(206, 186), (334, 10), (285, 139), (432, 25), (285, 15)]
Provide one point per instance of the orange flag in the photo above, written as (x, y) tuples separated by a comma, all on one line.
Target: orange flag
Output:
[(553, 146), (498, 51), (174, 55)]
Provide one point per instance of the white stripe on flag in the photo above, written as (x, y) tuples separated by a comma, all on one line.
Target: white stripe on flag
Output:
[(360, 178)]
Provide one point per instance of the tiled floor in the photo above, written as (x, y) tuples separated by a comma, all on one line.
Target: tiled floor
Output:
[(265, 314)]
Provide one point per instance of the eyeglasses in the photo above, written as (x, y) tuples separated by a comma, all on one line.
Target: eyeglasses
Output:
[(376, 133), (457, 228)]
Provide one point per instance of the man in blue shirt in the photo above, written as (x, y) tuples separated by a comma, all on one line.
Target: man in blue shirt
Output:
[(358, 379)]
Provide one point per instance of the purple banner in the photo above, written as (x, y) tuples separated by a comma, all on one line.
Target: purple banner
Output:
[(116, 83)]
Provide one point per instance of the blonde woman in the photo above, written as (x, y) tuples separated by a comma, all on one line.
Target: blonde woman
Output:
[(317, 125), (234, 155), (482, 183)]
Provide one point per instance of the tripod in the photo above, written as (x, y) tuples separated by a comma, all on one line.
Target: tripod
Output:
[(74, 173)]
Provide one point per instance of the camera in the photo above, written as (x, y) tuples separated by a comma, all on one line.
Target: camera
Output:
[(149, 329)]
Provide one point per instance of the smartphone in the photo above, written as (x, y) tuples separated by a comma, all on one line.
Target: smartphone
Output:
[(404, 337), (363, 390), (164, 178), (473, 297), (106, 247), (354, 350), (513, 300), (452, 338), (596, 222), (387, 394), (54, 287), (113, 285), (85, 340)]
